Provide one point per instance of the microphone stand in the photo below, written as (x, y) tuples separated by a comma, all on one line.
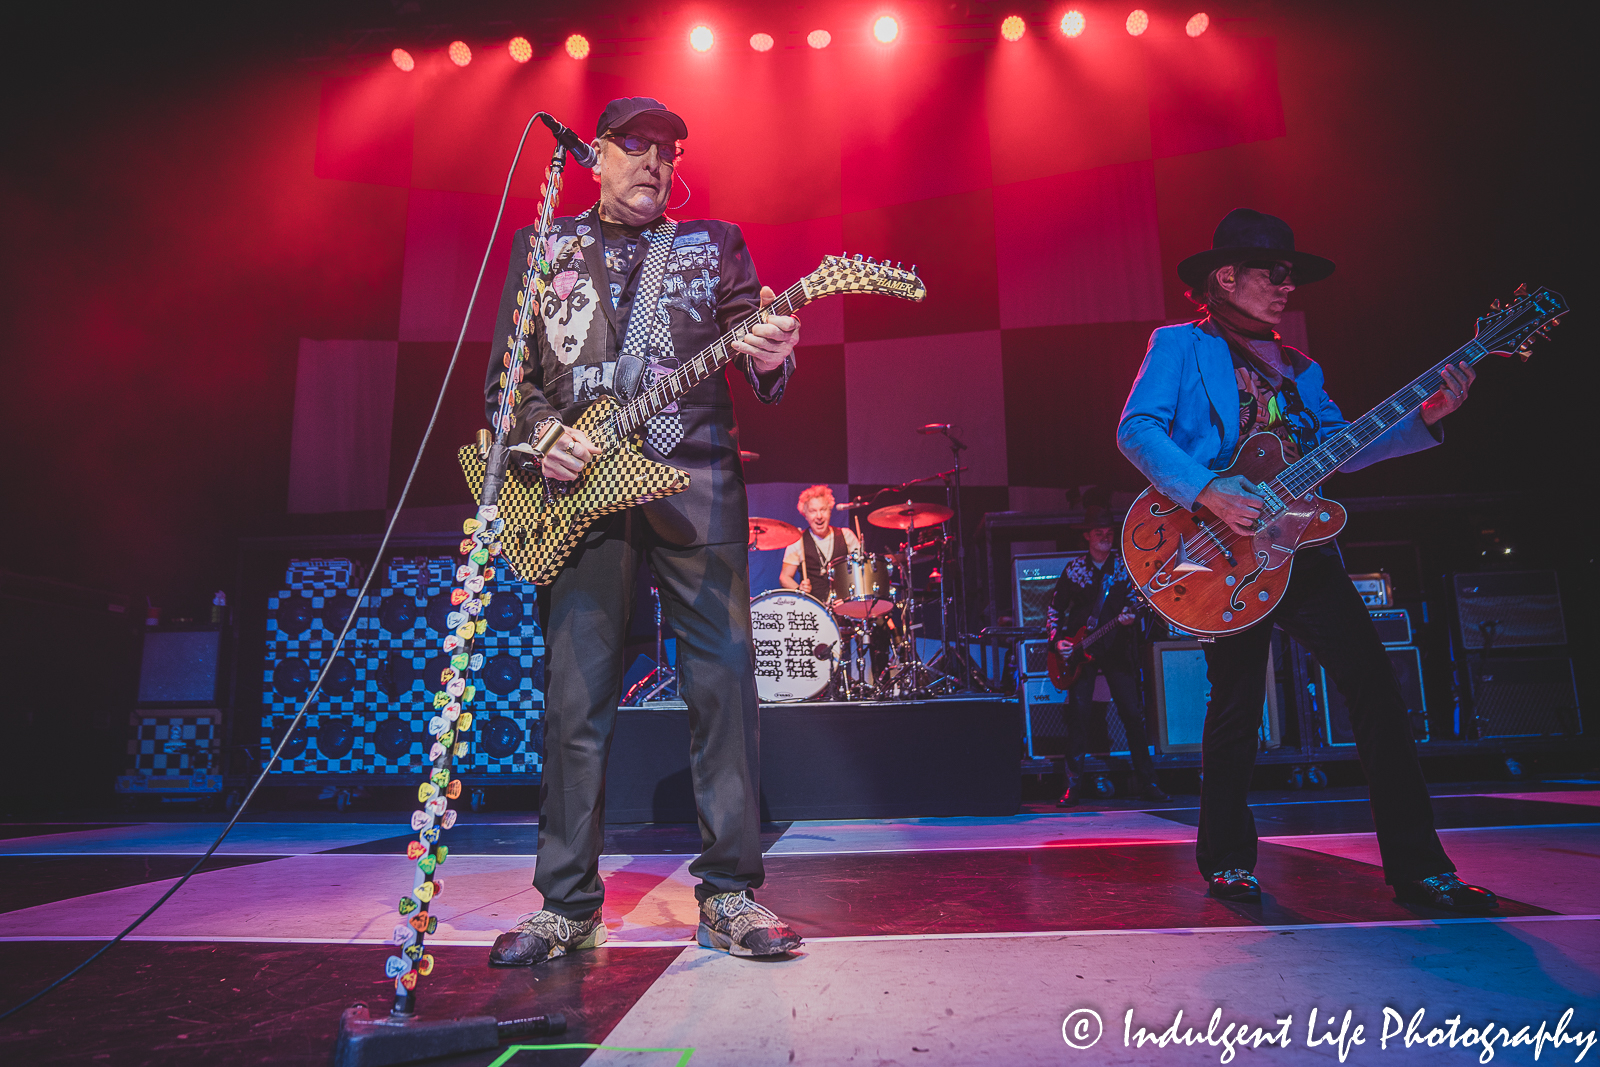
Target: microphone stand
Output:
[(952, 482)]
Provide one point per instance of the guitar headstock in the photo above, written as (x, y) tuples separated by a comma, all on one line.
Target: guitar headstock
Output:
[(847, 274), (1515, 326)]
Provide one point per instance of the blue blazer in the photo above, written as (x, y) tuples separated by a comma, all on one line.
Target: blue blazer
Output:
[(1180, 425)]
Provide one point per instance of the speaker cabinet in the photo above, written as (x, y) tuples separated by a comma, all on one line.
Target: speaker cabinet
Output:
[(1525, 696), (1181, 692), (1509, 609), (1335, 713)]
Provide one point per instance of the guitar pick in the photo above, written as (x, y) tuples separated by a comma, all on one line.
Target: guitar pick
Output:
[(415, 849), (436, 806), (437, 726), (452, 642), (468, 546), (482, 625), (447, 738), (480, 556), (470, 692), (472, 608), (496, 525), (425, 964), (465, 631), (425, 891), (464, 723), (412, 952), (449, 818), (485, 597), (404, 934), (456, 687), (421, 820), (461, 749), (472, 526), (426, 792), (423, 923), (431, 835), (442, 853), (453, 790), (457, 596), (455, 619), (461, 661), (489, 512), (476, 662), (452, 711), (440, 777), (440, 699), (395, 966), (407, 905), (474, 584), (435, 752), (408, 981), (426, 864), (447, 676), (464, 572)]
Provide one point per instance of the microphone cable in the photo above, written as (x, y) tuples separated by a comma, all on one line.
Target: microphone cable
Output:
[(383, 545)]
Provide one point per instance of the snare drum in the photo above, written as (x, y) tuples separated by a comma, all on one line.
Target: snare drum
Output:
[(862, 586), (796, 641)]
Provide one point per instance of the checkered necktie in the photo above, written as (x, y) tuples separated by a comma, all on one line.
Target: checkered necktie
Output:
[(649, 335)]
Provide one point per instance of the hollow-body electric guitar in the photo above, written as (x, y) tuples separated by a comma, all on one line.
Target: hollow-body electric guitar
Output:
[(1207, 579), (544, 521)]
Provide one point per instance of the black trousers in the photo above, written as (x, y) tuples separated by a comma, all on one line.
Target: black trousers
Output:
[(705, 595), (1322, 610), (1124, 686)]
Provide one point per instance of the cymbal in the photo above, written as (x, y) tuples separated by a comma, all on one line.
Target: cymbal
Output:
[(909, 516), (772, 533)]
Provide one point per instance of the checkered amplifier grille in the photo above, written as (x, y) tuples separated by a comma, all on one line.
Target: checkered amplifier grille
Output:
[(170, 743), (371, 716)]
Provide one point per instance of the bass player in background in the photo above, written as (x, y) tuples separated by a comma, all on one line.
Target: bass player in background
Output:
[(1091, 592), (1203, 387)]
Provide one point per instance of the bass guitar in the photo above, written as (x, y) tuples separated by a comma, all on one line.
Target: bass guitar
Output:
[(1207, 579), (544, 522)]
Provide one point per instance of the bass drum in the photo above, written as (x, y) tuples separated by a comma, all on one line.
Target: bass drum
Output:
[(796, 644)]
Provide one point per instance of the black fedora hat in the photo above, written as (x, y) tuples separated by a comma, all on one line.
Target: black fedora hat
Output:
[(1244, 235), (1096, 516)]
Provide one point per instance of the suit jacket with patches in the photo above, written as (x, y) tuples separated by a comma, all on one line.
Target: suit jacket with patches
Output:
[(575, 336)]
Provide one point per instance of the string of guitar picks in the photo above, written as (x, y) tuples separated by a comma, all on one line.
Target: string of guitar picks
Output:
[(448, 728)]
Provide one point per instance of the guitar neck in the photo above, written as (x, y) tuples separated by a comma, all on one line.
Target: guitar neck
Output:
[(710, 361), (1320, 464)]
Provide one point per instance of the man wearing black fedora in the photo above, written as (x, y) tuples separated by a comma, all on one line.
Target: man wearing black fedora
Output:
[(1203, 387), (1092, 591)]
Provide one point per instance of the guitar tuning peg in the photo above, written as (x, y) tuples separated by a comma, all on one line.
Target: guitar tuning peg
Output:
[(858, 257), (1494, 305), (913, 268), (870, 260), (1521, 290), (897, 265)]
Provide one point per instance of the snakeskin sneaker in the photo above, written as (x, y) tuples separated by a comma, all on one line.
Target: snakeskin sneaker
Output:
[(544, 935), (735, 923), (1238, 885), (1448, 892)]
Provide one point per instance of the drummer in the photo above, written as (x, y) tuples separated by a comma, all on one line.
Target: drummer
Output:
[(821, 548)]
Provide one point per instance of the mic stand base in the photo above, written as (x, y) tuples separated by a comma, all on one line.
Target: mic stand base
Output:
[(393, 1039)]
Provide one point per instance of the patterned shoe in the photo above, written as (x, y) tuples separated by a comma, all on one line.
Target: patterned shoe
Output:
[(544, 935), (1238, 885), (1447, 892), (735, 923)]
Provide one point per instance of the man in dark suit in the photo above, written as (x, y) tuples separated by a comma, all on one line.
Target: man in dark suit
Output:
[(629, 293)]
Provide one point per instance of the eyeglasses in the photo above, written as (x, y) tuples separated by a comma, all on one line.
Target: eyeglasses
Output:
[(1277, 273), (668, 152)]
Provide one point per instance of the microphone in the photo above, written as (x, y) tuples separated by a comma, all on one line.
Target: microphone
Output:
[(936, 427), (582, 152)]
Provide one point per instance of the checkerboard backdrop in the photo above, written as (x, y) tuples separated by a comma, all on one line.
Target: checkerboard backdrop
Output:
[(372, 712)]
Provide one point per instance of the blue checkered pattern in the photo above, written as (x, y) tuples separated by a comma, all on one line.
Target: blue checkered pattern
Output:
[(378, 656)]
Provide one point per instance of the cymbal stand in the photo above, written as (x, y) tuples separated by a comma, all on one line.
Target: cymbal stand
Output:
[(916, 676), (661, 684), (957, 667)]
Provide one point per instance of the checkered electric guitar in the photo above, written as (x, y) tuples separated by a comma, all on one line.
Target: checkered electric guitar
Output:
[(545, 519)]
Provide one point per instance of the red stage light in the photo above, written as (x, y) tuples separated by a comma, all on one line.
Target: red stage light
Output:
[(700, 38), (460, 54), (886, 29), (403, 60), (521, 49), (577, 46), (1013, 28), (1138, 21), (1197, 24), (1072, 23), (761, 42), (819, 38)]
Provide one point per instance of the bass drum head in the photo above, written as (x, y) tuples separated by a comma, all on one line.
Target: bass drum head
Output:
[(796, 640)]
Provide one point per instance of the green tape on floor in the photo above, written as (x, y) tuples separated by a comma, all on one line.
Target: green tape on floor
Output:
[(685, 1054)]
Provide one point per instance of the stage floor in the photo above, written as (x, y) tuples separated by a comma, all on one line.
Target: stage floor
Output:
[(929, 941)]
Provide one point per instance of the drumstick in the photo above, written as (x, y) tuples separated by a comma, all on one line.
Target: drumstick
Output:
[(803, 576)]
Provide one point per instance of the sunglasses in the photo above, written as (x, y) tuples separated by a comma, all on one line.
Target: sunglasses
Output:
[(1277, 273), (668, 152)]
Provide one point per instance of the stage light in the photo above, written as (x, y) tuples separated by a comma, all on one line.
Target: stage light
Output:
[(521, 49), (1013, 28), (700, 38), (1138, 22), (577, 46), (1072, 23), (460, 54), (403, 60), (761, 42), (819, 38), (1197, 24), (886, 29)]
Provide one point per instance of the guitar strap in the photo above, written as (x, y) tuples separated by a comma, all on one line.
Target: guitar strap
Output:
[(649, 336)]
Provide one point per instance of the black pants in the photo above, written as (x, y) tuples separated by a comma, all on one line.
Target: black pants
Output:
[(705, 595), (1124, 688), (1322, 610)]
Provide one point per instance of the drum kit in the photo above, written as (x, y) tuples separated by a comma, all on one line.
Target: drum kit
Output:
[(821, 645)]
